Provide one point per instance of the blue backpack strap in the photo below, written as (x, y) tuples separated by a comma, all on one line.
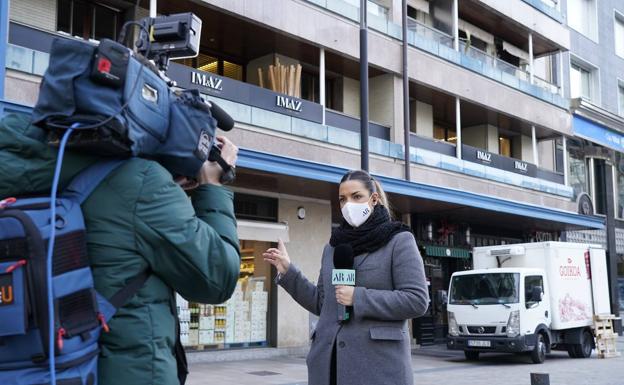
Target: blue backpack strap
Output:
[(88, 179)]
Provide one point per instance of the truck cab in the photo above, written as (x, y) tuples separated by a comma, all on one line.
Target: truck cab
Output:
[(499, 310)]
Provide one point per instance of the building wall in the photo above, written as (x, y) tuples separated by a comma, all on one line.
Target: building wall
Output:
[(351, 96), (37, 13), (600, 53), (21, 88), (308, 237), (483, 136), (381, 102), (546, 150), (421, 115)]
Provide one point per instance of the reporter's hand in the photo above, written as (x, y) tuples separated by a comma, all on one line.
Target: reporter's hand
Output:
[(210, 173), (344, 295), (278, 257)]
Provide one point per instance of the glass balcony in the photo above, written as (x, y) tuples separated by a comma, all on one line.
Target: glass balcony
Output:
[(441, 44), (26, 60), (547, 7)]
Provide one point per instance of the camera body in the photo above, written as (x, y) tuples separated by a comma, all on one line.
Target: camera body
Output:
[(124, 103), (174, 37)]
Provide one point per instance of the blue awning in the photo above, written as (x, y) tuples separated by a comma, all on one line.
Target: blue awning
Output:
[(323, 172), (597, 133)]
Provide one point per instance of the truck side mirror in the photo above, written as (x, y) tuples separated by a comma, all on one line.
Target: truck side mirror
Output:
[(537, 294)]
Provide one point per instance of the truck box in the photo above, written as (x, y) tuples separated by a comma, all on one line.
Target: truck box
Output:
[(574, 296)]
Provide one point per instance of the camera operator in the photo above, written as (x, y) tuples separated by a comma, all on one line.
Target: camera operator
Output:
[(139, 219)]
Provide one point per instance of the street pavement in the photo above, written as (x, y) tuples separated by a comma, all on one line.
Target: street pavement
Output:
[(432, 366)]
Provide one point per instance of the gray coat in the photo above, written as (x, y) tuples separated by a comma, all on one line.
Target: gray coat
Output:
[(373, 348)]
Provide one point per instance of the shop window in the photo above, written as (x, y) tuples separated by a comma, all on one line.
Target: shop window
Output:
[(215, 65), (89, 20), (310, 89), (443, 132), (504, 146), (577, 175), (255, 207), (244, 319), (600, 191), (619, 185)]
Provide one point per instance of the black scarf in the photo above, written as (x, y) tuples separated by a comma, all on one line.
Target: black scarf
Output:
[(372, 235)]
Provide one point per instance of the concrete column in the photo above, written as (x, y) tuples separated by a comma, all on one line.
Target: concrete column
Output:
[(564, 141), (458, 127), (531, 64), (322, 80), (534, 141), (456, 25), (561, 81)]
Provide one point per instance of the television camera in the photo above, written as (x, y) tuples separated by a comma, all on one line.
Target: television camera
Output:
[(120, 102)]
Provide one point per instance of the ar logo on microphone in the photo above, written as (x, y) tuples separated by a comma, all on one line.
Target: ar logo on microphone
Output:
[(343, 277)]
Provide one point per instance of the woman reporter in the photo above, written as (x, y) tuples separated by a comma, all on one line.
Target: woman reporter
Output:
[(373, 346)]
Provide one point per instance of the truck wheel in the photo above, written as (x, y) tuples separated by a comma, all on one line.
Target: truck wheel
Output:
[(572, 351), (584, 349), (471, 355), (538, 355)]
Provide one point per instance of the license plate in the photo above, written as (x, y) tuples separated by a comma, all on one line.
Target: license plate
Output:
[(479, 344)]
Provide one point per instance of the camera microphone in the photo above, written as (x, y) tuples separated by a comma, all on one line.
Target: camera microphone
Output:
[(224, 120)]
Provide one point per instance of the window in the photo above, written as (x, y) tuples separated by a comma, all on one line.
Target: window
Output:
[(582, 17), (531, 282), (618, 184), (619, 34), (621, 98), (504, 146), (88, 20), (581, 82), (577, 177), (443, 132), (215, 65)]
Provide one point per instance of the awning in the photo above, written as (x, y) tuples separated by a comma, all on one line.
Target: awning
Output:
[(260, 161), (449, 252), (262, 231)]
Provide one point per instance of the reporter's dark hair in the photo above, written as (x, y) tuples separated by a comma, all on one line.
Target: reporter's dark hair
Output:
[(370, 183)]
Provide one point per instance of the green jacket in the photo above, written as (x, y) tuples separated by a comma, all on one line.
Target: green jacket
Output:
[(136, 219)]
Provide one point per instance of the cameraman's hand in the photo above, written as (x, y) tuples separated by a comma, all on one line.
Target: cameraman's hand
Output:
[(210, 172)]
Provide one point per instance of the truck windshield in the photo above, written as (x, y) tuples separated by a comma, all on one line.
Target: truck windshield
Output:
[(485, 289)]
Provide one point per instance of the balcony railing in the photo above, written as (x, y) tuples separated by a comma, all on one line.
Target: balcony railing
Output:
[(507, 68), (441, 44), (26, 60), (547, 7)]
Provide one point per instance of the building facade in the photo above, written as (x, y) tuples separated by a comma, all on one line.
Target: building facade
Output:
[(596, 76), (489, 124)]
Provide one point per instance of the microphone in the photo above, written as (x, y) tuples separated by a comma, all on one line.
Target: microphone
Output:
[(343, 274), (224, 120)]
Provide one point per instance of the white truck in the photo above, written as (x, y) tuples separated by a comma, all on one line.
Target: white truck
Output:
[(528, 298)]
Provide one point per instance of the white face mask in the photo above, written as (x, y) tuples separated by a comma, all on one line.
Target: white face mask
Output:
[(356, 213)]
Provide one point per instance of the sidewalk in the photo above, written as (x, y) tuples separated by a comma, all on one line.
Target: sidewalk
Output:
[(432, 366)]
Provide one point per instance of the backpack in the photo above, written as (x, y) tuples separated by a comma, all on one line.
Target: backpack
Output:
[(35, 285)]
